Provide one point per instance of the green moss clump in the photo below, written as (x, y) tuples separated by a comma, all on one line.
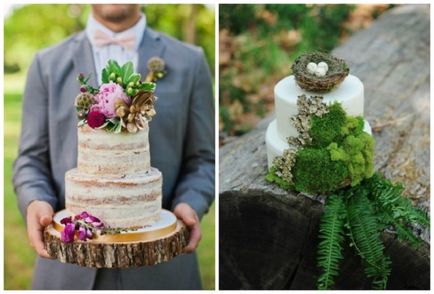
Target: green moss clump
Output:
[(314, 171), (353, 125), (272, 177), (357, 152), (328, 128)]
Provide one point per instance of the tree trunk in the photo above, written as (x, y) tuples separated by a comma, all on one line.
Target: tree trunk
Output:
[(117, 255)]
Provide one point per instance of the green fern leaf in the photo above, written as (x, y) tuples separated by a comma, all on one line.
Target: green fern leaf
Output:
[(331, 234), (365, 237)]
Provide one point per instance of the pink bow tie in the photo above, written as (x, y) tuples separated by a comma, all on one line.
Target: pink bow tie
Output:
[(101, 39)]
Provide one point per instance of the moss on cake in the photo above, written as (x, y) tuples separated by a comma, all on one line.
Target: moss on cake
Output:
[(314, 171), (357, 152), (329, 127)]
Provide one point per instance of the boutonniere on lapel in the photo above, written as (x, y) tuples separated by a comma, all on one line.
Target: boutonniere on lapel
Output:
[(156, 69)]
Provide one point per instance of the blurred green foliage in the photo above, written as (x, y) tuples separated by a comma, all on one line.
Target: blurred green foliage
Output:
[(32, 27), (259, 42)]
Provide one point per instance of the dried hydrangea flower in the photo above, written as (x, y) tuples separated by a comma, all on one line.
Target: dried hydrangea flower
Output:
[(284, 164), (302, 121)]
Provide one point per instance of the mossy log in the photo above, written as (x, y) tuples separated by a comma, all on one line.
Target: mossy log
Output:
[(117, 255), (268, 237)]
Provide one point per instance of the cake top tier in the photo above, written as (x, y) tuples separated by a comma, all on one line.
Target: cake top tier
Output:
[(123, 102), (319, 72)]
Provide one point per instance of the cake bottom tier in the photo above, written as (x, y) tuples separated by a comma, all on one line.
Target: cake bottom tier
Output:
[(128, 202), (276, 145)]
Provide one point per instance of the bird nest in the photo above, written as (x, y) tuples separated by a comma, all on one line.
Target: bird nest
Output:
[(337, 71)]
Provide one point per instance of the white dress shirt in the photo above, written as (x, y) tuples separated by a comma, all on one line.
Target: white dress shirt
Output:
[(114, 51)]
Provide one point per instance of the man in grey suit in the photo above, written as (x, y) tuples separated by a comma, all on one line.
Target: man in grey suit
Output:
[(181, 142)]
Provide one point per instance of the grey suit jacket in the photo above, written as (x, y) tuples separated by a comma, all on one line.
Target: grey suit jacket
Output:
[(181, 142)]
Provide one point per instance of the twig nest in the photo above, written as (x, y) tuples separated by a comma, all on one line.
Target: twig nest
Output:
[(319, 72)]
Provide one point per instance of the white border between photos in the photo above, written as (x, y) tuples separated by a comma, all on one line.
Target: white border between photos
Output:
[(216, 9)]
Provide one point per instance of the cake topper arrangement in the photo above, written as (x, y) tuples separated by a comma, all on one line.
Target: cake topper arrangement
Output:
[(332, 155), (122, 103)]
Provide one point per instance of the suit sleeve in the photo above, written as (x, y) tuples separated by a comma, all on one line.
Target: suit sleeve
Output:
[(31, 171), (196, 183)]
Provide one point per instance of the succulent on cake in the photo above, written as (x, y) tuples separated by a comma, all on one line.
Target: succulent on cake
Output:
[(328, 140), (122, 103), (319, 72)]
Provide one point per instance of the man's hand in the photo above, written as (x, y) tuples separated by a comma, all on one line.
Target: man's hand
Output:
[(39, 215), (187, 214)]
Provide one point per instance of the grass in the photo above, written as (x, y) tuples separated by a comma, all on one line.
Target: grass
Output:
[(18, 255)]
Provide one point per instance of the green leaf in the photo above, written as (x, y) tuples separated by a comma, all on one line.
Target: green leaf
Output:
[(113, 66), (104, 125), (134, 78), (331, 234), (365, 234), (105, 76), (148, 87), (126, 71), (81, 123)]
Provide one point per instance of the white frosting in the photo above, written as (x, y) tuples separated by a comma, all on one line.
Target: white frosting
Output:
[(104, 153), (114, 180), (349, 93), (131, 201)]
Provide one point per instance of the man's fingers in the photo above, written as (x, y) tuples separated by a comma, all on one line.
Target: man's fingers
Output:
[(35, 236), (195, 236), (39, 215), (45, 220)]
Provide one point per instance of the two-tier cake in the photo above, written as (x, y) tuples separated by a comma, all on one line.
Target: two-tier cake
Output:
[(319, 127), (114, 179)]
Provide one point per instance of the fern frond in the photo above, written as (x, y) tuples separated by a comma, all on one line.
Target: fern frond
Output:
[(331, 234), (388, 197), (396, 210), (365, 238)]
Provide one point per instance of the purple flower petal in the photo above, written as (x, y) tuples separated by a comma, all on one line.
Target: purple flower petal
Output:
[(89, 233), (97, 224), (67, 235), (82, 233), (66, 220), (82, 215)]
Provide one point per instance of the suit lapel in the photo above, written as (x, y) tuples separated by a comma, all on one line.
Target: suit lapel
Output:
[(150, 46), (83, 58)]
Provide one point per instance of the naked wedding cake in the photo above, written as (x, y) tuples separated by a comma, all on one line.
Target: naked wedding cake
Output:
[(319, 114), (114, 181)]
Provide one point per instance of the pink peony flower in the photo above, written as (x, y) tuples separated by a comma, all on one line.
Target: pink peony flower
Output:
[(107, 96), (95, 119)]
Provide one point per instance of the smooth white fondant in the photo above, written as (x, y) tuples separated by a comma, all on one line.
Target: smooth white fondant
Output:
[(276, 145), (349, 93)]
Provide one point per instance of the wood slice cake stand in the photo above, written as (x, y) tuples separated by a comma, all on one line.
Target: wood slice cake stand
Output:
[(143, 247)]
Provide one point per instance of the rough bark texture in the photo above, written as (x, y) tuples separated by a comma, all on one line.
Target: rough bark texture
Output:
[(268, 237), (117, 255)]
